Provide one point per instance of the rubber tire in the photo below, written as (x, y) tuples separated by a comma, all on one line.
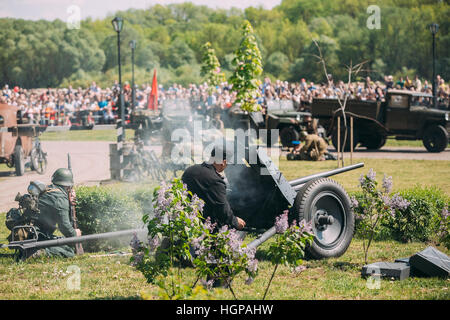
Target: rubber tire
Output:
[(302, 207), (435, 138), (375, 143), (347, 142), (287, 135), (19, 160)]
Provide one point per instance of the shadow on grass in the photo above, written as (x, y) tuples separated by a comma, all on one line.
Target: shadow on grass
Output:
[(347, 266)]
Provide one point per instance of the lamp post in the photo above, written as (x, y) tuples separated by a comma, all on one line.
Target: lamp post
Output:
[(133, 90), (434, 27), (117, 23)]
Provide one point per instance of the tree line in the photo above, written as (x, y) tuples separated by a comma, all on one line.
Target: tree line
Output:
[(170, 38)]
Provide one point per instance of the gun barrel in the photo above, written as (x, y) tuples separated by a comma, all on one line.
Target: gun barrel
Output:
[(299, 181), (73, 240), (262, 238)]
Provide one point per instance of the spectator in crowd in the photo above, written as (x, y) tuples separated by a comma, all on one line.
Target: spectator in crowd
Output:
[(58, 106)]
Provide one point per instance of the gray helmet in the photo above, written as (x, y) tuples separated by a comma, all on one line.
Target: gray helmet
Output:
[(63, 177)]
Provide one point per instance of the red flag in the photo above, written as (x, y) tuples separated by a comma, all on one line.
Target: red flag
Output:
[(153, 96)]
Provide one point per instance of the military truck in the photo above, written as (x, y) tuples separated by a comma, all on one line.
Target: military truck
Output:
[(18, 141), (280, 114), (404, 115)]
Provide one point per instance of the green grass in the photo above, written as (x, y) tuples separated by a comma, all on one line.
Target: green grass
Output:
[(85, 135), (404, 143), (337, 278), (405, 173), (114, 278)]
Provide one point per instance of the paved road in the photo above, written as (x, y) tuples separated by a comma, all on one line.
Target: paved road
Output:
[(90, 164)]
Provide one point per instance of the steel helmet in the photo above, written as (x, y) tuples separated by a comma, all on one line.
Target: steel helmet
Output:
[(63, 177)]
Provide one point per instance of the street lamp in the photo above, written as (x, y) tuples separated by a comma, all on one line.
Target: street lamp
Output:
[(117, 23), (133, 90), (434, 28)]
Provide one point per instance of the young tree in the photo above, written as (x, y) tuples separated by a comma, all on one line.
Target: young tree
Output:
[(248, 67), (211, 67)]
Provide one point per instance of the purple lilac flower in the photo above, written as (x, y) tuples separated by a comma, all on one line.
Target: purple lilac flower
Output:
[(387, 184), (252, 265), (208, 225), (445, 213), (354, 203), (235, 242), (399, 203), (208, 284), (281, 223), (154, 243), (371, 175), (306, 226), (135, 243), (368, 181)]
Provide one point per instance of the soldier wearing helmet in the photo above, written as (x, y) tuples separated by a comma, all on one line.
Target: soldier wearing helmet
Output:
[(54, 212)]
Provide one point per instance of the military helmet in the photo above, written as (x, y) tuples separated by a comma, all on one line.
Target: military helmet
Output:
[(303, 134), (63, 177)]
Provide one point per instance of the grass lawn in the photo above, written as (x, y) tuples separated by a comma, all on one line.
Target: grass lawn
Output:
[(337, 278), (85, 135), (114, 278), (405, 173)]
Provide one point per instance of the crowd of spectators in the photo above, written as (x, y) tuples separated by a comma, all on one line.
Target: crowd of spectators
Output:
[(95, 105)]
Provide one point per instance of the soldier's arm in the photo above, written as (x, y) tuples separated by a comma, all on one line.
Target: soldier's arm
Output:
[(63, 218), (306, 146)]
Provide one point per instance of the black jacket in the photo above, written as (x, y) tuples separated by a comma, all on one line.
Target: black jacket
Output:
[(208, 185)]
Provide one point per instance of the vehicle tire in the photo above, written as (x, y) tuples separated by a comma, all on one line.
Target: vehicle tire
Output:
[(19, 160), (375, 142), (347, 141), (287, 135), (325, 203), (435, 138)]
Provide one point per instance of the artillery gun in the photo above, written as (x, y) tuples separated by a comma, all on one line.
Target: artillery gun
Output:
[(259, 193)]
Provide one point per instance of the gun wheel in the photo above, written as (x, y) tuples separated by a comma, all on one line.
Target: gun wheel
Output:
[(326, 204)]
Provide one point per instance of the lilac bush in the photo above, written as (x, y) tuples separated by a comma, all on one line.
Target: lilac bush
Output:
[(220, 256), (289, 245), (177, 233), (176, 222), (375, 207)]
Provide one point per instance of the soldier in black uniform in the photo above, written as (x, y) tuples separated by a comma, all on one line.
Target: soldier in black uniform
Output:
[(205, 180)]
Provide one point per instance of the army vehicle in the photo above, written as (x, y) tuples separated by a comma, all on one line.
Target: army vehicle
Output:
[(405, 115), (19, 141), (281, 115)]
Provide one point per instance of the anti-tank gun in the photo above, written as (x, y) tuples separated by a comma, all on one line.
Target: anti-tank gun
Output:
[(259, 192)]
